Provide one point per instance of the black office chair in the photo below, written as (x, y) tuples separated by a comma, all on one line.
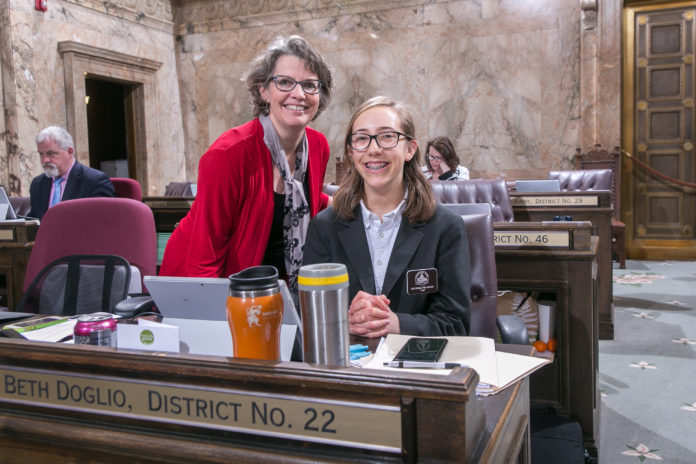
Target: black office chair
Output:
[(78, 284)]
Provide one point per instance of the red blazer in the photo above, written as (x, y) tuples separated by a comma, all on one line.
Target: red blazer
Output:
[(229, 223)]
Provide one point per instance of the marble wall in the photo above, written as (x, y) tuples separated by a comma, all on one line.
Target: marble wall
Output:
[(513, 82), (501, 78), (34, 76)]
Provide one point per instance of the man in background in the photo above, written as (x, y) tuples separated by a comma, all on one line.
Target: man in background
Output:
[(63, 178)]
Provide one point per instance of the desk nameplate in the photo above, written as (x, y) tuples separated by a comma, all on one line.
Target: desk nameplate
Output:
[(7, 235), (560, 200), (531, 238), (169, 204), (344, 423)]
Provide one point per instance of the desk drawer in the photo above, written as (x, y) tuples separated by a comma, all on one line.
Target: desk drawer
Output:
[(510, 438)]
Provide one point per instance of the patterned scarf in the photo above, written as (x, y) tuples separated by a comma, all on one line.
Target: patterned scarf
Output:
[(296, 211)]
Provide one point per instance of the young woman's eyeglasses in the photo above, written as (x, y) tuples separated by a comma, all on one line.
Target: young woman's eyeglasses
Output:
[(434, 158), (388, 139), (286, 84)]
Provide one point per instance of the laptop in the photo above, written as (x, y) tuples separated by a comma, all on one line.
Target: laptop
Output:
[(465, 209), (7, 212), (197, 305), (536, 186)]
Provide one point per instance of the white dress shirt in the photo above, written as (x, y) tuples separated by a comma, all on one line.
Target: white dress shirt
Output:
[(381, 235)]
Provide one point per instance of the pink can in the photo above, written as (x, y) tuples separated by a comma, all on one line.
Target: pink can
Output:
[(95, 329)]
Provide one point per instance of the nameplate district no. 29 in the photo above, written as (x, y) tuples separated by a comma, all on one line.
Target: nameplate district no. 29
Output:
[(311, 419), (555, 200)]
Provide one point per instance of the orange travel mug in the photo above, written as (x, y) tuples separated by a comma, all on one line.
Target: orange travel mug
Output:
[(255, 313)]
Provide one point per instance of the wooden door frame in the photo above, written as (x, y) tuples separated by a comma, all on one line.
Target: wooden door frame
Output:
[(82, 61), (640, 248)]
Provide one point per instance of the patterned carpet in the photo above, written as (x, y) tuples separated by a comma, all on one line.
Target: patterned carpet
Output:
[(647, 374)]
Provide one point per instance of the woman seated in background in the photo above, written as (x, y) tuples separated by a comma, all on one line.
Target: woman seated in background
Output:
[(442, 162), (259, 183), (407, 258)]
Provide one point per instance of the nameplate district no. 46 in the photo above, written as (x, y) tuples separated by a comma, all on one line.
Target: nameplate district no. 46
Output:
[(311, 419), (531, 238)]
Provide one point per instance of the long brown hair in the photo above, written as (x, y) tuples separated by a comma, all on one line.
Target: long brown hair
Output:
[(420, 202), (445, 147)]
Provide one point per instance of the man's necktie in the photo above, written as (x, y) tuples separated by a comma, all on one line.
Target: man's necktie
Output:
[(56, 191)]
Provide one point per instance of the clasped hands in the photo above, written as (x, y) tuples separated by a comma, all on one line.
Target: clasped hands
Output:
[(370, 316)]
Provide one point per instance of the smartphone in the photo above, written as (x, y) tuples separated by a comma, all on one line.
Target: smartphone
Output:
[(421, 349)]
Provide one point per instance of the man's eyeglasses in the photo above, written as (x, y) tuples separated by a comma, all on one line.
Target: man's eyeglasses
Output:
[(286, 84), (434, 158), (388, 139)]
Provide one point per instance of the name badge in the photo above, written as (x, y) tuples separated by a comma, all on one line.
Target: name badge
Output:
[(421, 281)]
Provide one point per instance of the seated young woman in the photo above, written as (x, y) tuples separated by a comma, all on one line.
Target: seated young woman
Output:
[(407, 258)]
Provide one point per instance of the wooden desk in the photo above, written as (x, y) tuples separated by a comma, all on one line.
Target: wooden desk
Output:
[(506, 436), (593, 206), (570, 382), (168, 211), (16, 242), (113, 405), (67, 403)]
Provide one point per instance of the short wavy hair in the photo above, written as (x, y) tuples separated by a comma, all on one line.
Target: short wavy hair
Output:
[(262, 70), (58, 135), (446, 148)]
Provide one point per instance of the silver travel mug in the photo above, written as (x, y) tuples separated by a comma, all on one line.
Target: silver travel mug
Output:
[(323, 292)]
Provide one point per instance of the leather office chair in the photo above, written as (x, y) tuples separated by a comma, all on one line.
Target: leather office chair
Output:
[(484, 283), (97, 226), (491, 191), (178, 189), (21, 205), (583, 180), (599, 158), (597, 179), (125, 187)]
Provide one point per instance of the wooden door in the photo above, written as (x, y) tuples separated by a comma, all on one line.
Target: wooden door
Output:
[(658, 130)]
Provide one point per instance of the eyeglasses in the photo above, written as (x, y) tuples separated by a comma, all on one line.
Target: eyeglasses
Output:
[(286, 84), (388, 139), (434, 158)]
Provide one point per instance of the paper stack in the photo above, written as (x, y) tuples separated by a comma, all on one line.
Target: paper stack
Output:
[(496, 369)]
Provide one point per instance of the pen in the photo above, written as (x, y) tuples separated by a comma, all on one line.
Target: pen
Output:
[(423, 365)]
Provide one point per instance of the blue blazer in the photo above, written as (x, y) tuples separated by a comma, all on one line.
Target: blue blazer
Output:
[(440, 243), (83, 182)]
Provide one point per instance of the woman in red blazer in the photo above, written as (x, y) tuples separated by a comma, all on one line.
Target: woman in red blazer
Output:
[(259, 183)]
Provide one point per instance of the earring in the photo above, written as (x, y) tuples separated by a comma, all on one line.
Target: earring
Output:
[(267, 108)]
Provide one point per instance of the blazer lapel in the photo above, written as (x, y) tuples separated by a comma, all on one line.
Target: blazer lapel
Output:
[(44, 194), (73, 180), (407, 240), (357, 251)]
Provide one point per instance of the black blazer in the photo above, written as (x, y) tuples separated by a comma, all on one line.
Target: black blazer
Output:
[(441, 243), (83, 182)]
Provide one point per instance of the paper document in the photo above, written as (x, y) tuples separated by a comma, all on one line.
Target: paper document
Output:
[(53, 333), (496, 369), (476, 352), (34, 323), (511, 368)]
